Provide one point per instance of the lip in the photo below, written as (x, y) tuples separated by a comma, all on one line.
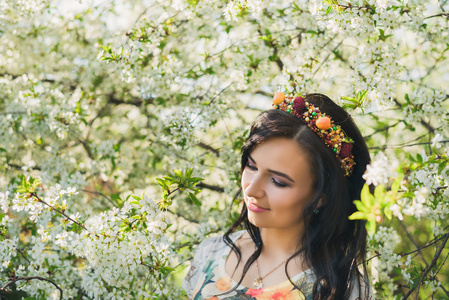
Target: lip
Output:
[(255, 208)]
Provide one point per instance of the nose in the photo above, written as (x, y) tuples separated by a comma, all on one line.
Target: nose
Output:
[(254, 187)]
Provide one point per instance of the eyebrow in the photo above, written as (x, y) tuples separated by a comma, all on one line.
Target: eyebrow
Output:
[(273, 171)]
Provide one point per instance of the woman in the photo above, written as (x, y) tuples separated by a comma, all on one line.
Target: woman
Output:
[(302, 168)]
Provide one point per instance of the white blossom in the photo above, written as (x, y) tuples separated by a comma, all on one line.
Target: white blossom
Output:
[(380, 170), (436, 140)]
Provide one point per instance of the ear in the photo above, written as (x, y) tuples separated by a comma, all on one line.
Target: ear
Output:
[(321, 202)]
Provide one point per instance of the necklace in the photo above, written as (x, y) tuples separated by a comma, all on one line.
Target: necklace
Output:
[(258, 284)]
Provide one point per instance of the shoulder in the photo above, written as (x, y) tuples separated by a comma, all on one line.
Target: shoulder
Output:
[(217, 243), (210, 243)]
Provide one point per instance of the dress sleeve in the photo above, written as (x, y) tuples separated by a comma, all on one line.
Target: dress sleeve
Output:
[(365, 292), (197, 264), (191, 278)]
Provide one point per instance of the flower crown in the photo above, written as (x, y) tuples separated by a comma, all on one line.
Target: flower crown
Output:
[(332, 135)]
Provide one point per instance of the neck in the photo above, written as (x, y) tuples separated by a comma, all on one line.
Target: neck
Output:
[(281, 242)]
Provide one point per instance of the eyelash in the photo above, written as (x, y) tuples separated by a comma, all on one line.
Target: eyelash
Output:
[(276, 183)]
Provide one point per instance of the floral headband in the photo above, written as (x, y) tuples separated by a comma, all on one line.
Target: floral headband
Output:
[(332, 135)]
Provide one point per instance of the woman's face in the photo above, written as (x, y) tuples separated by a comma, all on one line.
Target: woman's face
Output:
[(277, 184)]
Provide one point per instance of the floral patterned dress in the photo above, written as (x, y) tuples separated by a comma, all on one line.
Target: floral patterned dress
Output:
[(207, 278)]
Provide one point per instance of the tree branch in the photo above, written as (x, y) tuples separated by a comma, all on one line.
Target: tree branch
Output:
[(20, 167), (136, 101), (215, 188), (31, 278), (208, 147), (422, 121), (13, 113)]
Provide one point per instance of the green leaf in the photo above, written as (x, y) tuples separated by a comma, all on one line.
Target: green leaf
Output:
[(379, 193), (358, 215), (137, 217), (360, 206), (407, 98), (194, 199), (178, 173), (162, 182), (3, 149), (116, 198), (328, 10), (366, 197), (396, 185), (419, 158), (135, 197), (388, 213), (371, 227), (107, 49)]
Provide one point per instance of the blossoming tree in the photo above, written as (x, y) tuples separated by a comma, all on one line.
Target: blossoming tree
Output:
[(119, 144)]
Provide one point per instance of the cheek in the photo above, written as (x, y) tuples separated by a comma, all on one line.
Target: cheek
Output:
[(287, 199), (243, 180), (246, 179)]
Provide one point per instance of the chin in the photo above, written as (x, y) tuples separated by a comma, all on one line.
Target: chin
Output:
[(258, 221)]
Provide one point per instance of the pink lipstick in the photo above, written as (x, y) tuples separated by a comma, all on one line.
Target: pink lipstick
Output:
[(257, 209)]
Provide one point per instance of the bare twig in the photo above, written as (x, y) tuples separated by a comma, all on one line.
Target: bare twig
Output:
[(414, 251), (429, 267), (58, 211), (444, 261), (23, 255), (444, 236), (444, 15), (150, 268), (101, 194), (327, 57), (87, 148), (381, 129), (422, 121), (405, 145), (413, 241)]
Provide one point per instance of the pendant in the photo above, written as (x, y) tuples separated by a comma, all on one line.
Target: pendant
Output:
[(258, 283)]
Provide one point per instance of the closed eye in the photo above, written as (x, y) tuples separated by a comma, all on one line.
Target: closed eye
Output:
[(279, 184), (250, 166), (276, 183)]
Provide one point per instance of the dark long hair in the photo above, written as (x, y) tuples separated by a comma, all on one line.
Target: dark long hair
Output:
[(332, 244)]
